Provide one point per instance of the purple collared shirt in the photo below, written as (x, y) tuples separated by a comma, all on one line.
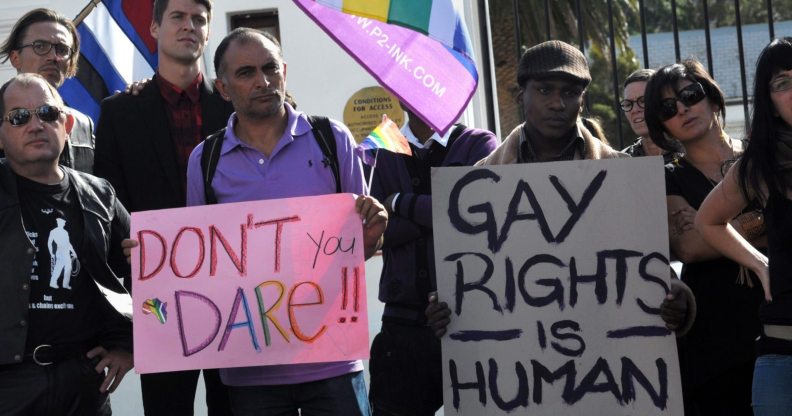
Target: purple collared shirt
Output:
[(293, 169)]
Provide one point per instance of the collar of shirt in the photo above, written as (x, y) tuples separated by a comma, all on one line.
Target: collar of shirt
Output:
[(171, 93), (575, 147), (297, 125), (441, 140)]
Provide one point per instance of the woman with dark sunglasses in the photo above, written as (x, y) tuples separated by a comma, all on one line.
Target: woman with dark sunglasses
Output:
[(764, 174), (685, 106)]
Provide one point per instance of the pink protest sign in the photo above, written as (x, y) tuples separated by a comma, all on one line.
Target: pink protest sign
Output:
[(247, 284)]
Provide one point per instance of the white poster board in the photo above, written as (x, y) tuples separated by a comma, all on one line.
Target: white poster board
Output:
[(554, 273)]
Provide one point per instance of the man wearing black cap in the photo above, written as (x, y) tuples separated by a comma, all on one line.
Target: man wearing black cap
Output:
[(553, 77)]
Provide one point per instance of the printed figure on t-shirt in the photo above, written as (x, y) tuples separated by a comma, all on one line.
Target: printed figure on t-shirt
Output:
[(61, 254)]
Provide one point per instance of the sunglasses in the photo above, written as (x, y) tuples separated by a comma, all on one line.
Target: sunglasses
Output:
[(781, 84), (688, 96), (18, 117), (43, 47), (627, 105)]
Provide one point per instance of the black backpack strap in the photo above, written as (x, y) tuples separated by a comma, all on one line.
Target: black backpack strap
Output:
[(323, 133), (209, 158)]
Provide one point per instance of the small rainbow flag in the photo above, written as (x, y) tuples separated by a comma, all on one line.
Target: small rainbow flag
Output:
[(386, 136), (156, 307)]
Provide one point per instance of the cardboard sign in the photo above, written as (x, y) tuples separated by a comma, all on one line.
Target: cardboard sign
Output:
[(247, 284), (554, 273)]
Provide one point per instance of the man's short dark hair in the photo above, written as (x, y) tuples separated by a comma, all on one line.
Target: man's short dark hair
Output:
[(243, 35), (27, 79), (641, 75), (161, 5), (14, 41)]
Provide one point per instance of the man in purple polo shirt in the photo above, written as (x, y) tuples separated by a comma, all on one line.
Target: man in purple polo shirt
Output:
[(268, 151)]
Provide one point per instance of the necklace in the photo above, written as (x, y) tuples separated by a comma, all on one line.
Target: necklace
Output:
[(724, 164)]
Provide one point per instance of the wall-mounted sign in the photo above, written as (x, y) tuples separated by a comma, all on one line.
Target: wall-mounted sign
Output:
[(364, 110)]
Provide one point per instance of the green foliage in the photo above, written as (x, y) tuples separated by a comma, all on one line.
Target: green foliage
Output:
[(563, 21), (601, 97)]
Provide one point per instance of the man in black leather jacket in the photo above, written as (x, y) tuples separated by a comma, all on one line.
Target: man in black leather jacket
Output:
[(46, 43), (63, 347)]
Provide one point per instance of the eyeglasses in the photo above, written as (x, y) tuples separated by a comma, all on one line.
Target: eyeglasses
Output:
[(627, 105), (781, 84), (688, 96), (43, 47), (18, 117)]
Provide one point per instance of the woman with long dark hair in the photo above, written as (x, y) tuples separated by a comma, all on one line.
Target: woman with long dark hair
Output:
[(764, 175), (685, 107)]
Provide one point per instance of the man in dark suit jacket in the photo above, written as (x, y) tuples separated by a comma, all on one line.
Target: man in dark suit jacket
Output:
[(46, 43), (142, 147)]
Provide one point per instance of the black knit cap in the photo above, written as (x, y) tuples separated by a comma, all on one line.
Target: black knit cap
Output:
[(553, 58)]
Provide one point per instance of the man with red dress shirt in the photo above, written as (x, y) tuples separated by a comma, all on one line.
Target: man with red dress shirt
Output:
[(142, 145)]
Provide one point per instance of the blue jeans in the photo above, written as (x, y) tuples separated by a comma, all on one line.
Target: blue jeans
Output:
[(772, 385), (342, 395)]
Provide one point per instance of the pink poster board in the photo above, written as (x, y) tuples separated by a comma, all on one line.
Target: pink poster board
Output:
[(247, 284)]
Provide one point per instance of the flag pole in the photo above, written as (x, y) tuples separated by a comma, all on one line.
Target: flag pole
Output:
[(85, 11), (371, 174)]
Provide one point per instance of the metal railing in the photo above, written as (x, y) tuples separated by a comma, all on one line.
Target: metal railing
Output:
[(578, 10)]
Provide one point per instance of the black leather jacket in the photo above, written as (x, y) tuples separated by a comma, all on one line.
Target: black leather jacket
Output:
[(106, 224), (78, 153)]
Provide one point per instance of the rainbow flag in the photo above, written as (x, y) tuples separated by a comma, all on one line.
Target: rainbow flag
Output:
[(386, 136), (420, 50), (435, 18)]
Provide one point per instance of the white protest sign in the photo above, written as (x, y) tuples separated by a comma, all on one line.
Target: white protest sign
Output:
[(554, 273)]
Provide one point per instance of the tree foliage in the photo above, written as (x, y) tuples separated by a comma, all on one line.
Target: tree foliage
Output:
[(690, 14)]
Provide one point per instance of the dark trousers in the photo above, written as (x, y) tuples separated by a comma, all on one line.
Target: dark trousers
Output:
[(344, 395), (406, 371), (173, 393), (67, 388), (728, 394)]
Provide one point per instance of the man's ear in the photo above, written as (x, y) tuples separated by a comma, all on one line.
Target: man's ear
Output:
[(15, 59), (69, 123), (218, 82), (154, 29)]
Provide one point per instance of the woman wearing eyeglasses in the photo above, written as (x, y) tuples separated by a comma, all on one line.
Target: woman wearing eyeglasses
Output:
[(764, 174), (685, 105), (633, 107)]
